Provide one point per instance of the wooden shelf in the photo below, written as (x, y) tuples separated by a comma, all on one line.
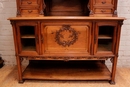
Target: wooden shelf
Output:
[(76, 70), (28, 36), (105, 47), (29, 48), (104, 37)]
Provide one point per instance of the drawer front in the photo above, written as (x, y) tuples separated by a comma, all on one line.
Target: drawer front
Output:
[(103, 10), (103, 2), (27, 11), (29, 2)]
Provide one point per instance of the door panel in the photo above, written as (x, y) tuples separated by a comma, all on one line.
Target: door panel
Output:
[(27, 38), (66, 39), (105, 37)]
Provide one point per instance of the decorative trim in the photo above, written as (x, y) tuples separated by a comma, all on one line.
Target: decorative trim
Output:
[(18, 12), (70, 39), (121, 23), (67, 58), (115, 12), (91, 12), (111, 60), (12, 22), (41, 12)]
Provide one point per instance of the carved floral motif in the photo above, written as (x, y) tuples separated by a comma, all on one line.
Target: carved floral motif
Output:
[(66, 36)]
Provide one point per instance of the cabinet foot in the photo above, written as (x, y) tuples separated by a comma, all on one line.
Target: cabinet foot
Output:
[(112, 82), (21, 81)]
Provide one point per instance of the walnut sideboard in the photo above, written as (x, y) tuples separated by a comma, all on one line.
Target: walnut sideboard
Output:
[(67, 48)]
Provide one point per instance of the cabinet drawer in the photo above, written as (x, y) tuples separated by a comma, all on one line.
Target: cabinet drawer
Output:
[(25, 11), (103, 2), (29, 2), (103, 10)]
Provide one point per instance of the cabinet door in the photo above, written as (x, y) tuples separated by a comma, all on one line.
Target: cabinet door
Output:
[(27, 37), (105, 37), (66, 40)]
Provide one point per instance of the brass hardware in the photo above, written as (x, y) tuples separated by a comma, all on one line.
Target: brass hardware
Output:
[(103, 10), (103, 2), (29, 11), (29, 2)]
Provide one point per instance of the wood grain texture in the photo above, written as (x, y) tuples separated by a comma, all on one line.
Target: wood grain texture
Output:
[(88, 70)]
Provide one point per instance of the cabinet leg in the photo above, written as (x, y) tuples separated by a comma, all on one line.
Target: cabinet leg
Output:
[(19, 69), (114, 64), (112, 82), (21, 81)]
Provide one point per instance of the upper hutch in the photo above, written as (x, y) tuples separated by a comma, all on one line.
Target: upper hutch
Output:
[(67, 39)]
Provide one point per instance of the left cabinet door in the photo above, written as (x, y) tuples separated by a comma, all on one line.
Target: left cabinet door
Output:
[(27, 38)]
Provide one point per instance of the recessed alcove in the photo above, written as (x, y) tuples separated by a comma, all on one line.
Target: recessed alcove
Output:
[(66, 8)]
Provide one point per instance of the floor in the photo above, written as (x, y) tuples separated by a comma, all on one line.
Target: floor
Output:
[(8, 78)]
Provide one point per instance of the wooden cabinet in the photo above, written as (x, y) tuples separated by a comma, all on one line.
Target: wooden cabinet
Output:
[(28, 38), (30, 8), (103, 8), (65, 40), (105, 40)]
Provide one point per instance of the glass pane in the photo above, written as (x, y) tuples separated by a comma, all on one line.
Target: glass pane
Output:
[(27, 31), (28, 38), (104, 45), (28, 44), (105, 38)]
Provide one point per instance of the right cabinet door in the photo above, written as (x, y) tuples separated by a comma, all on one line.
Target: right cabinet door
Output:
[(105, 38)]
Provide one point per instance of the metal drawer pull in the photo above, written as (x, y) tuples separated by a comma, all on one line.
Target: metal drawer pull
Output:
[(103, 2), (29, 11), (103, 10), (29, 2)]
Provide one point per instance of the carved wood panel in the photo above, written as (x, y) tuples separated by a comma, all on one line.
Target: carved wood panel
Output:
[(66, 39)]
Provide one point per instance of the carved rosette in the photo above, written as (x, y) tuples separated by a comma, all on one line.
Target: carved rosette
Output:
[(66, 36)]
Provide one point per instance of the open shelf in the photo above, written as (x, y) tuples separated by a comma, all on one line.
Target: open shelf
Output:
[(28, 44), (28, 36), (66, 8), (104, 37), (72, 70), (27, 31), (104, 45)]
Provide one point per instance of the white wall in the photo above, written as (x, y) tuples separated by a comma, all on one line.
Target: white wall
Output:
[(8, 9)]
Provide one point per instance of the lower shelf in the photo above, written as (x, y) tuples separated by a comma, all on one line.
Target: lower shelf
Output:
[(79, 70)]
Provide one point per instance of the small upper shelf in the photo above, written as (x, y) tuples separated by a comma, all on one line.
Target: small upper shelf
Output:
[(66, 8), (104, 37), (27, 36)]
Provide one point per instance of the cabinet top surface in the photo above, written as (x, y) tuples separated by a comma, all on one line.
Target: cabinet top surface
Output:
[(66, 18)]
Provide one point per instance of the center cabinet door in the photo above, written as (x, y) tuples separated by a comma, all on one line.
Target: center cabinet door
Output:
[(66, 39)]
